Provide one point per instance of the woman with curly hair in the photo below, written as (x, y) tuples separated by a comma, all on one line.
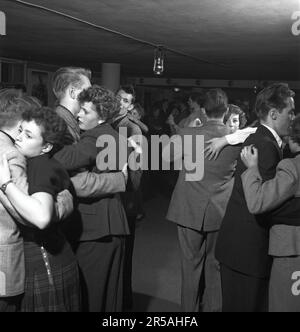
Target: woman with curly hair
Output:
[(235, 118), (51, 271), (100, 227)]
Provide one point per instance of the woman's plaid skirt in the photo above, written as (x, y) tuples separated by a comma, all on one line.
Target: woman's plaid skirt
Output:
[(51, 279)]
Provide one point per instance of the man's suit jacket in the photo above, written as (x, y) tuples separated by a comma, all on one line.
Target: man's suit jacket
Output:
[(243, 240), (12, 269), (201, 205), (102, 216)]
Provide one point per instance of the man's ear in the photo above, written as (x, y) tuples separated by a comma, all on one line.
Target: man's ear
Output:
[(273, 113), (47, 148), (72, 92)]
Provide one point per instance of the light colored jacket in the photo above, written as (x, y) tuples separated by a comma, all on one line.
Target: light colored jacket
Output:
[(265, 196), (201, 204), (12, 270)]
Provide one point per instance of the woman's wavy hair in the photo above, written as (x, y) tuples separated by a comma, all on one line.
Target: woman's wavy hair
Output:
[(234, 109), (106, 103), (53, 127)]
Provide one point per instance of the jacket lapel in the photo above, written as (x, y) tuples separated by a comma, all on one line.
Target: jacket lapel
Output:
[(264, 131)]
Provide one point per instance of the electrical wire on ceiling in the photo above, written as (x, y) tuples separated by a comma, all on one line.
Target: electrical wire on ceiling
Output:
[(124, 35)]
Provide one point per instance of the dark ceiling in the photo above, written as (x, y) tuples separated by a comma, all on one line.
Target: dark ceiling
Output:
[(253, 38)]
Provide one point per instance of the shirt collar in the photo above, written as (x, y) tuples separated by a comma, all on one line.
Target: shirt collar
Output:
[(219, 121), (278, 139), (120, 116), (68, 111)]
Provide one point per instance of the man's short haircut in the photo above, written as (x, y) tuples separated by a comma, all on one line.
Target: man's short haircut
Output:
[(213, 98), (217, 111), (66, 76), (234, 109), (273, 96), (106, 103), (128, 89), (295, 130), (12, 106), (7, 96)]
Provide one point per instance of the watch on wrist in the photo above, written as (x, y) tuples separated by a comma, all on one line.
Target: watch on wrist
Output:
[(4, 186)]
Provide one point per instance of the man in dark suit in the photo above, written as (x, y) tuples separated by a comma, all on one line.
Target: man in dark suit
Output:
[(242, 246), (197, 207)]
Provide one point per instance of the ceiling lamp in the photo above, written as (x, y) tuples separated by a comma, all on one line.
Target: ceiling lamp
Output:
[(158, 66)]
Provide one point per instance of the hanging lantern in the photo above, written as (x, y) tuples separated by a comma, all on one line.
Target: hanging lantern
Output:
[(158, 67)]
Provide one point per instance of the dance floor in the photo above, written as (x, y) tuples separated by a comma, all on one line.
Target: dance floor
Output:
[(156, 261)]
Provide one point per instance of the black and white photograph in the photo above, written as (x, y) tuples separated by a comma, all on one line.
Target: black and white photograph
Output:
[(149, 158)]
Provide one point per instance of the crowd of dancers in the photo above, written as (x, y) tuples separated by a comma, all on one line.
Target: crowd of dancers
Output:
[(68, 224)]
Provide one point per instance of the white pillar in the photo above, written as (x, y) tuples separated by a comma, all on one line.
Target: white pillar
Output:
[(2, 24), (110, 76)]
